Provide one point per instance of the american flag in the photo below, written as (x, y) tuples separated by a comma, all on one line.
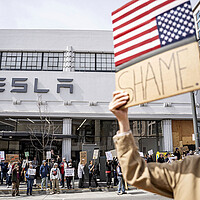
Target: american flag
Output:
[(142, 26)]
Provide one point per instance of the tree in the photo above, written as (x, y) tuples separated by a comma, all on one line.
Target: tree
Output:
[(42, 135)]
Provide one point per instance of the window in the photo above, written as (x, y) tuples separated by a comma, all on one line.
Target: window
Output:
[(198, 25), (31, 61), (105, 62), (53, 61), (11, 60), (84, 61), (198, 15), (94, 62)]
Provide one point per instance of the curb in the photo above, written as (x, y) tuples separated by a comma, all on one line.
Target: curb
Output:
[(76, 190)]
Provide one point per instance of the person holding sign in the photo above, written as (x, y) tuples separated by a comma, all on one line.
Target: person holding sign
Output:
[(55, 177), (81, 173), (92, 173), (30, 175), (179, 180)]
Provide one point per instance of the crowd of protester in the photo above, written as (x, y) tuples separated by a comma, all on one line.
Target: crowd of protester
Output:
[(52, 172)]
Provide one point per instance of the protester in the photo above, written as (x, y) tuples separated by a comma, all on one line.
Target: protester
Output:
[(51, 165), (35, 166), (9, 175), (81, 173), (121, 184), (69, 178), (30, 175), (115, 163), (177, 154), (149, 158), (63, 166), (3, 167), (16, 175), (108, 173), (55, 177), (168, 160), (92, 173), (44, 173), (179, 180), (161, 158)]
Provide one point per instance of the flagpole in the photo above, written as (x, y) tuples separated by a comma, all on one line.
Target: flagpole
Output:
[(195, 123)]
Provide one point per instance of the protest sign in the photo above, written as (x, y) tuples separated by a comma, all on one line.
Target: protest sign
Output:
[(31, 171), (48, 155), (69, 172), (95, 154), (114, 153), (2, 155), (24, 163), (150, 152), (141, 154), (156, 52), (83, 157), (26, 154), (109, 155)]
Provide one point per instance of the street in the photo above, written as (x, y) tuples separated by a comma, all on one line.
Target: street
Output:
[(131, 195)]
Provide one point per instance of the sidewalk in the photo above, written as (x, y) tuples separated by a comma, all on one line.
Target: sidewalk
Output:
[(37, 190)]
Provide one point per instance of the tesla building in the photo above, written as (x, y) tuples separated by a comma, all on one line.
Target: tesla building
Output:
[(55, 88)]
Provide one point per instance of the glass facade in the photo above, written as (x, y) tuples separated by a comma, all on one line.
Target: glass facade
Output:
[(26, 135)]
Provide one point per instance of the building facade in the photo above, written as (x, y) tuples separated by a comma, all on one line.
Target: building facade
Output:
[(196, 11), (55, 89)]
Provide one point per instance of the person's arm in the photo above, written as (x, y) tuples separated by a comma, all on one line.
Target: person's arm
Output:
[(153, 177)]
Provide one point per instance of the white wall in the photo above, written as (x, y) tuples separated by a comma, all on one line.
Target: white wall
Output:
[(88, 87)]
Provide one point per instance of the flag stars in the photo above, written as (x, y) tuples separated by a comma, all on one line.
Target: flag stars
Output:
[(177, 37), (170, 40), (182, 27), (175, 24)]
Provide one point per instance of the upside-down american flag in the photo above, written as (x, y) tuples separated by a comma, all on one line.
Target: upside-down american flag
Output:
[(142, 26)]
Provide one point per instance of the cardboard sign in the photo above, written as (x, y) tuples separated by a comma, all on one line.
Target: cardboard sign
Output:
[(150, 152), (167, 74), (48, 155), (83, 157), (31, 171), (69, 172), (12, 158), (95, 154), (2, 155), (109, 155)]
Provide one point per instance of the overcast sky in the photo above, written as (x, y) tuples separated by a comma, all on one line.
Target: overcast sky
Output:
[(59, 14)]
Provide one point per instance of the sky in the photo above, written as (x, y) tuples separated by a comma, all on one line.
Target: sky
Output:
[(59, 14)]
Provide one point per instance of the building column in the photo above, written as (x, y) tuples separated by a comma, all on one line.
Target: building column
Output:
[(66, 143), (167, 133), (97, 132)]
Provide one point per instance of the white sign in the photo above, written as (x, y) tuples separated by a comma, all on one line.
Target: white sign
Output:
[(95, 154), (141, 154), (31, 172), (2, 155), (193, 137), (69, 172), (48, 155), (109, 155), (24, 163), (150, 152)]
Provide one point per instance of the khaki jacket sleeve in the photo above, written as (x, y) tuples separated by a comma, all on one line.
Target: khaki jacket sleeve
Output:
[(160, 178)]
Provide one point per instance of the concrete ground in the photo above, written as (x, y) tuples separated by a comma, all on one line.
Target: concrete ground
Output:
[(88, 195)]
